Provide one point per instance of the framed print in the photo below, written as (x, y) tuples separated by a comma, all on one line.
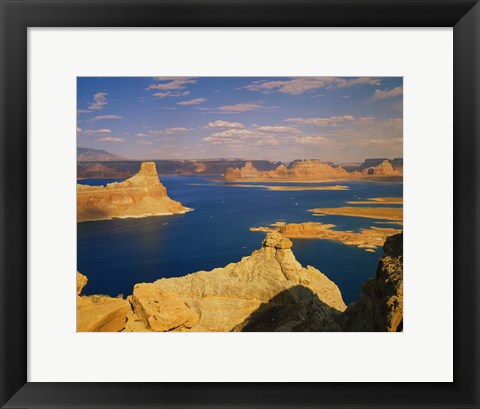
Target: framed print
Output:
[(219, 201)]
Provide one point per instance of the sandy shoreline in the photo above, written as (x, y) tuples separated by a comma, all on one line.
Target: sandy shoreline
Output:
[(385, 213)]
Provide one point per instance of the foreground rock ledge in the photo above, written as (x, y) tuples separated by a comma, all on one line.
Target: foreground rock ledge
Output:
[(266, 291), (139, 196)]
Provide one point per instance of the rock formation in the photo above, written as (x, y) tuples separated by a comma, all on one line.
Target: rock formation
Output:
[(98, 313), (383, 169), (299, 170), (266, 291), (247, 171), (368, 239), (223, 299), (139, 196), (313, 169), (380, 307)]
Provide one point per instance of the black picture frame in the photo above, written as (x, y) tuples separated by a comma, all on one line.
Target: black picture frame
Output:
[(18, 15)]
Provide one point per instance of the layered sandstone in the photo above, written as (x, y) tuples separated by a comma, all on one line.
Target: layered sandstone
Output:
[(306, 170), (266, 291), (313, 170), (139, 196), (225, 298), (383, 169), (380, 307), (99, 313)]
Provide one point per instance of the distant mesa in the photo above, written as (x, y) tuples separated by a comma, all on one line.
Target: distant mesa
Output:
[(315, 170), (91, 169), (240, 170), (139, 196), (89, 154), (385, 168), (266, 291), (301, 170)]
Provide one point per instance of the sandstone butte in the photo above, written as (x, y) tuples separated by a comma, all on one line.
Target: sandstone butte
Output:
[(139, 196), (311, 170), (266, 291)]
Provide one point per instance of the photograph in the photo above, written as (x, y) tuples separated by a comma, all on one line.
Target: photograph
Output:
[(239, 204)]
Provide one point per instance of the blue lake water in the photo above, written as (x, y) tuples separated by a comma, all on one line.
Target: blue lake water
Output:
[(116, 254)]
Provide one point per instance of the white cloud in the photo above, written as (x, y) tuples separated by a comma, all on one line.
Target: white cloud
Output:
[(384, 94), (99, 101), (171, 94), (99, 117), (312, 140), (261, 135), (224, 124), (331, 121), (278, 129), (145, 142), (235, 109), (195, 101), (301, 85), (111, 139), (365, 120), (102, 131), (82, 111), (167, 131), (169, 84)]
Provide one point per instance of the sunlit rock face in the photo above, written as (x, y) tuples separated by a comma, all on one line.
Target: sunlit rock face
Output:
[(235, 296), (266, 291), (99, 313), (298, 170), (139, 196), (380, 307)]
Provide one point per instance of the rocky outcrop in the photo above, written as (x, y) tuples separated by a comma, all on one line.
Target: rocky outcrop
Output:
[(225, 299), (81, 282), (383, 169), (139, 196), (99, 313), (378, 168), (397, 163), (299, 170), (247, 171), (314, 169), (380, 307), (266, 291)]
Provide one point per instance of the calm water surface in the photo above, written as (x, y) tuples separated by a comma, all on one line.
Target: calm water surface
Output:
[(116, 254)]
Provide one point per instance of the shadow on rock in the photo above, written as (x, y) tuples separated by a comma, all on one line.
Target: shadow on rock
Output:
[(296, 309)]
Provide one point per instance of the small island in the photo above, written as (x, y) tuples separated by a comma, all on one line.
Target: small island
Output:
[(139, 196), (368, 239), (385, 213)]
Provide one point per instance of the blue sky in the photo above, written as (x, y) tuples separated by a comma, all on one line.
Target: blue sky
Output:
[(340, 119)]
